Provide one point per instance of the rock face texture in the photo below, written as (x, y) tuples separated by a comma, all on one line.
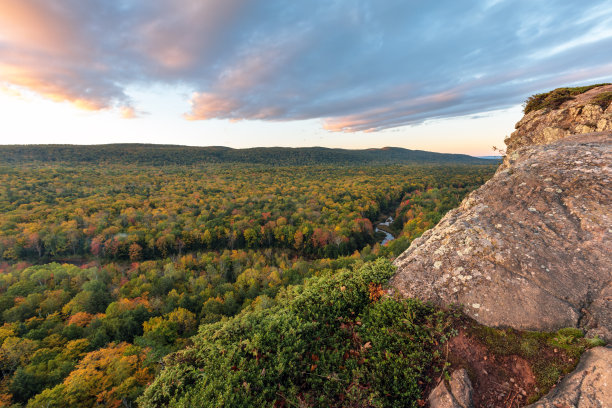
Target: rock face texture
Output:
[(588, 386), (573, 117), (532, 248)]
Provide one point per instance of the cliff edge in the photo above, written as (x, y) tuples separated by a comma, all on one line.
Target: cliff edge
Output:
[(532, 248), (560, 115)]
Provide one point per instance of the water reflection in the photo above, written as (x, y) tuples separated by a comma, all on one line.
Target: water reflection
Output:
[(388, 237)]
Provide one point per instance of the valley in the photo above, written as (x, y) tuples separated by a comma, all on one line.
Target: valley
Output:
[(107, 264)]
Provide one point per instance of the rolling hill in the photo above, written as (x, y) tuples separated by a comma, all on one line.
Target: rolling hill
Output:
[(149, 154)]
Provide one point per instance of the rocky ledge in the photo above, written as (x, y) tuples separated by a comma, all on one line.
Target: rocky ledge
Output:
[(581, 114), (532, 248)]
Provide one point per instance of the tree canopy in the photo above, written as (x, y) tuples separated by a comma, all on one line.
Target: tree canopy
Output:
[(108, 269)]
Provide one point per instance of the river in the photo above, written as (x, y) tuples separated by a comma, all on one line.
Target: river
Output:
[(388, 237)]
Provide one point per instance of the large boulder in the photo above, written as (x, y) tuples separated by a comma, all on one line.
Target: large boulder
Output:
[(530, 249), (588, 386)]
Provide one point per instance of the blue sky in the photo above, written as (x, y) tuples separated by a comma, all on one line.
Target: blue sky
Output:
[(443, 76)]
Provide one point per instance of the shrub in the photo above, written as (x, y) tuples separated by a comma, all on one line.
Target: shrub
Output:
[(334, 343), (554, 98), (603, 99)]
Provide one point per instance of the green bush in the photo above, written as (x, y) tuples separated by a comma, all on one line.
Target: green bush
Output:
[(337, 341), (554, 99), (603, 99)]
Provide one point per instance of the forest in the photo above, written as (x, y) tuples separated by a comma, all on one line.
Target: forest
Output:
[(108, 269), (163, 155)]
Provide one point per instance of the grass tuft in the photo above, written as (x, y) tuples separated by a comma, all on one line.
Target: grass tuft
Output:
[(595, 342)]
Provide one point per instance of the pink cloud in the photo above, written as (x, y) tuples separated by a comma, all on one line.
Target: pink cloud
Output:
[(209, 106), (46, 48)]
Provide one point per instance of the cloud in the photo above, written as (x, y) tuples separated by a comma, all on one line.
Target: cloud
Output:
[(10, 91), (127, 112), (356, 65), (58, 50)]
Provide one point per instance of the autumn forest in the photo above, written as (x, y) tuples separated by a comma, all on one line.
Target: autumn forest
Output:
[(108, 267)]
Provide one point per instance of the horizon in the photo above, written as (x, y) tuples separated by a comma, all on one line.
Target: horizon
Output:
[(440, 78), (486, 156), (489, 156)]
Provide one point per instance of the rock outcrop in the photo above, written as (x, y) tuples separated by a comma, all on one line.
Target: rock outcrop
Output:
[(459, 395), (532, 248), (576, 116), (588, 386)]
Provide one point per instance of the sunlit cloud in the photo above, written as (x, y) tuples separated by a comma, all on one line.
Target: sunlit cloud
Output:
[(127, 112), (63, 51), (355, 66), (209, 106), (10, 91)]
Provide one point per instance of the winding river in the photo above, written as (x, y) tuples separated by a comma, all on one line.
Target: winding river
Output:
[(388, 237)]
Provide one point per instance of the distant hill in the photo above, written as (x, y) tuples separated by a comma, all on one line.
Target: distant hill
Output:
[(149, 154)]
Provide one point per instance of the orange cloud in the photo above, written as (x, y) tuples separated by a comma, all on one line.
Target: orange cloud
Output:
[(208, 106), (47, 49), (84, 53), (38, 25), (346, 124), (45, 84), (127, 112), (26, 78), (238, 79)]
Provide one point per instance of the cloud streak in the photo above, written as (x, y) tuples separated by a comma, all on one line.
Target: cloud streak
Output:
[(357, 65)]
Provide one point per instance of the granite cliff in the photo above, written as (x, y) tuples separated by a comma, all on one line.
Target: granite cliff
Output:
[(532, 248)]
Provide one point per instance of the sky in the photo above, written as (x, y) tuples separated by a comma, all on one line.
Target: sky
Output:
[(446, 76)]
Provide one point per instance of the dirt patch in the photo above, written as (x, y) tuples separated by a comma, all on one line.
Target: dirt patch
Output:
[(498, 381), (507, 367)]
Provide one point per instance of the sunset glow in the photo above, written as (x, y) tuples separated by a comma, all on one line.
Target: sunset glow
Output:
[(241, 74)]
